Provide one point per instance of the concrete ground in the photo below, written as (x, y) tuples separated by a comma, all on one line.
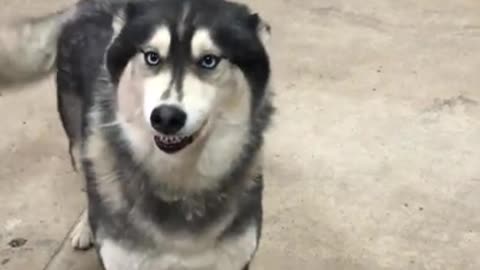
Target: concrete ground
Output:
[(373, 163)]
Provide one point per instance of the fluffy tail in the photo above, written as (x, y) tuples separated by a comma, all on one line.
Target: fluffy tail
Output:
[(28, 48)]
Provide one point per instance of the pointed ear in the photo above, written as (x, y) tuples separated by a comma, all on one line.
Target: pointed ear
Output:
[(132, 9), (262, 27)]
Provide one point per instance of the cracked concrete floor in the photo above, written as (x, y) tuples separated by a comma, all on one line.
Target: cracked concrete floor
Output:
[(373, 162)]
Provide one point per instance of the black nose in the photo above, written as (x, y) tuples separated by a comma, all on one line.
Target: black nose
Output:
[(168, 119)]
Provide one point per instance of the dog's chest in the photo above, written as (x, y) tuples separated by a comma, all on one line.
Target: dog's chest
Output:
[(233, 253)]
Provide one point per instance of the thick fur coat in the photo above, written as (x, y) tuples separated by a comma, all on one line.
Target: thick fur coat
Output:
[(165, 104)]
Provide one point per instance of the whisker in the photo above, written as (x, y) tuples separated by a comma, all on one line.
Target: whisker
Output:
[(110, 124)]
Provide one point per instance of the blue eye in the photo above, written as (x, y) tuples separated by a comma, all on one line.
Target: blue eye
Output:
[(152, 58), (209, 61)]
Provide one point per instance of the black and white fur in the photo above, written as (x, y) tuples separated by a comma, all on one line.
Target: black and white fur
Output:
[(199, 207)]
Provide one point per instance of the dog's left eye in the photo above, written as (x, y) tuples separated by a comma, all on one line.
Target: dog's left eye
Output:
[(209, 61), (152, 58)]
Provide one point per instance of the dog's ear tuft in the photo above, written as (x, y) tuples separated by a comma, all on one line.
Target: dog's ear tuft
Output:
[(262, 27)]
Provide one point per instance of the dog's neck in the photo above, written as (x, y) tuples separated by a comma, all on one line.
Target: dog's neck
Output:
[(122, 183), (109, 147)]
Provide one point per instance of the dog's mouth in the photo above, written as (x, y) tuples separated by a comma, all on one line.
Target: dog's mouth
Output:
[(171, 143), (174, 143)]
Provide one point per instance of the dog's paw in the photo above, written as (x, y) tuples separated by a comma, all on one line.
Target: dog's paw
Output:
[(82, 237)]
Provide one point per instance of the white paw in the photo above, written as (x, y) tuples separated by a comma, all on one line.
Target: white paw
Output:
[(82, 237)]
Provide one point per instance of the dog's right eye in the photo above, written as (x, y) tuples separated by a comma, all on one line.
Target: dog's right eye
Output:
[(209, 61), (152, 58)]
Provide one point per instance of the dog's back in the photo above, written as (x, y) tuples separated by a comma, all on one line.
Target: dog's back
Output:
[(28, 48)]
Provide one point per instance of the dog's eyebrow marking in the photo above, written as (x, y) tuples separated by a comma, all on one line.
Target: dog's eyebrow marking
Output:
[(181, 25), (202, 43), (161, 40)]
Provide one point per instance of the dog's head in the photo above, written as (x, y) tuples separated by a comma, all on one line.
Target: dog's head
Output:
[(187, 68)]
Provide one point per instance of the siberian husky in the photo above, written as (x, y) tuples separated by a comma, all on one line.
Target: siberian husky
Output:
[(165, 104)]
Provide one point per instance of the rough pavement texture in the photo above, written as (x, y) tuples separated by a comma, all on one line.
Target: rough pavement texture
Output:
[(373, 162)]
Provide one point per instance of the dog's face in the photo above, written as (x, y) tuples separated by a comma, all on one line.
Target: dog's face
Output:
[(183, 64)]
